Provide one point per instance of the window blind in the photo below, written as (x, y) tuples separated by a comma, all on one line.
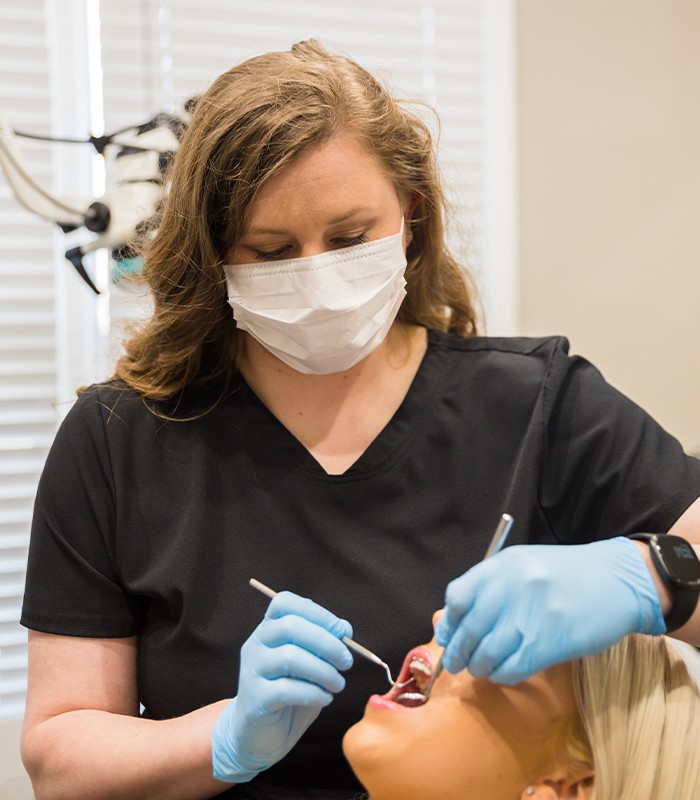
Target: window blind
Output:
[(28, 363)]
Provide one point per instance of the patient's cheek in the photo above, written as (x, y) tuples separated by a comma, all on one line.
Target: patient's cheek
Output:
[(533, 705)]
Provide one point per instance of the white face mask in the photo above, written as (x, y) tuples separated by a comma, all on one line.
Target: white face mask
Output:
[(323, 313)]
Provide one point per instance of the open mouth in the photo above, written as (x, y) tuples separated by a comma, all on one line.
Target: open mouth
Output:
[(413, 680)]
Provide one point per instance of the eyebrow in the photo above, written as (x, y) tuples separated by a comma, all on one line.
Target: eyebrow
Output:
[(335, 221), (351, 213)]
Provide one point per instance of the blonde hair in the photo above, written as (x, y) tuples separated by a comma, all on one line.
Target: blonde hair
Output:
[(253, 120), (638, 723)]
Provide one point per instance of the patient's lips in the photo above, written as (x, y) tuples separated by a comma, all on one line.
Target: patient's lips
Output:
[(415, 676)]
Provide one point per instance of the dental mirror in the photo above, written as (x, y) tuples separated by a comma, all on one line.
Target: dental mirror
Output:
[(497, 541)]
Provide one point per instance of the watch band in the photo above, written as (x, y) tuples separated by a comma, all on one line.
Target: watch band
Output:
[(685, 599)]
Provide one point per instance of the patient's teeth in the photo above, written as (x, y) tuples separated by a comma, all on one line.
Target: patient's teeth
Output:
[(418, 665)]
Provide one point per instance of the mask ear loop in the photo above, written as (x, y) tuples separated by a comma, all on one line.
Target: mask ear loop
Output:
[(409, 232)]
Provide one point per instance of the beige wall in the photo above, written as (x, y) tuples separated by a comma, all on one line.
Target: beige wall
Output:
[(609, 192)]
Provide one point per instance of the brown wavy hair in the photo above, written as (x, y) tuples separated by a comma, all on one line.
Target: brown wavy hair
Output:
[(253, 121)]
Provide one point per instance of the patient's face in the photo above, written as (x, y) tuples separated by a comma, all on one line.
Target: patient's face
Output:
[(472, 739)]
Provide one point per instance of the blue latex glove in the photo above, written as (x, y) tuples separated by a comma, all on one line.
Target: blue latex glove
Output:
[(289, 672), (532, 606)]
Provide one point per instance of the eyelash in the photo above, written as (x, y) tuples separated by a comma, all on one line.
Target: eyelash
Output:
[(341, 241)]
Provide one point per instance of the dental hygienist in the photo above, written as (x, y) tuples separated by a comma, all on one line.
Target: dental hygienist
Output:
[(310, 405)]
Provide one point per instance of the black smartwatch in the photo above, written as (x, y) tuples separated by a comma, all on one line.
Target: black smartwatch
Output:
[(679, 568)]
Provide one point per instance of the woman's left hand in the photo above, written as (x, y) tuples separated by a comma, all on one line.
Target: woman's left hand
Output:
[(532, 606)]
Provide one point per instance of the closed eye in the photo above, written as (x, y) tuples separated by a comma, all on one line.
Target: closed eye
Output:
[(270, 255), (350, 241), (338, 242)]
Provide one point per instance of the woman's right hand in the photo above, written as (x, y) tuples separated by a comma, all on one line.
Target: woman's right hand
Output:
[(290, 669)]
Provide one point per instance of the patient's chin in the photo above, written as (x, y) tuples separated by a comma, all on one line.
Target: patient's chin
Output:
[(382, 767), (358, 743), (365, 751)]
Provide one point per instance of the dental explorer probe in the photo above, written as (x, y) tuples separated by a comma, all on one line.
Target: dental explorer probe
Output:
[(353, 645), (497, 541)]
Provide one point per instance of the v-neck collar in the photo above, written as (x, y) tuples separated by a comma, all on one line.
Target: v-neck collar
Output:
[(415, 409)]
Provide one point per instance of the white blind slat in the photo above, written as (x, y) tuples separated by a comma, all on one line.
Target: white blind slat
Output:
[(28, 369)]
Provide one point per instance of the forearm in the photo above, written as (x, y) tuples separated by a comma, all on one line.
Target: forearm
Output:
[(96, 754)]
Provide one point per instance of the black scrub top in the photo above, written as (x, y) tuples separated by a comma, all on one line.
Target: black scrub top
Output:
[(151, 527)]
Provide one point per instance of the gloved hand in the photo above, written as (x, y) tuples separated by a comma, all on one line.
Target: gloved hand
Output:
[(532, 606), (289, 672)]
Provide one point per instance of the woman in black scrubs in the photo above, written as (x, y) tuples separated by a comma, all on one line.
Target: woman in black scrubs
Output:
[(310, 405)]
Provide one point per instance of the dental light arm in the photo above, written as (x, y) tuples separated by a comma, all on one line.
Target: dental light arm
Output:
[(136, 160), (66, 214)]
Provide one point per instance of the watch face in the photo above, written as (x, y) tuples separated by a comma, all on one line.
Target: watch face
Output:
[(680, 560)]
